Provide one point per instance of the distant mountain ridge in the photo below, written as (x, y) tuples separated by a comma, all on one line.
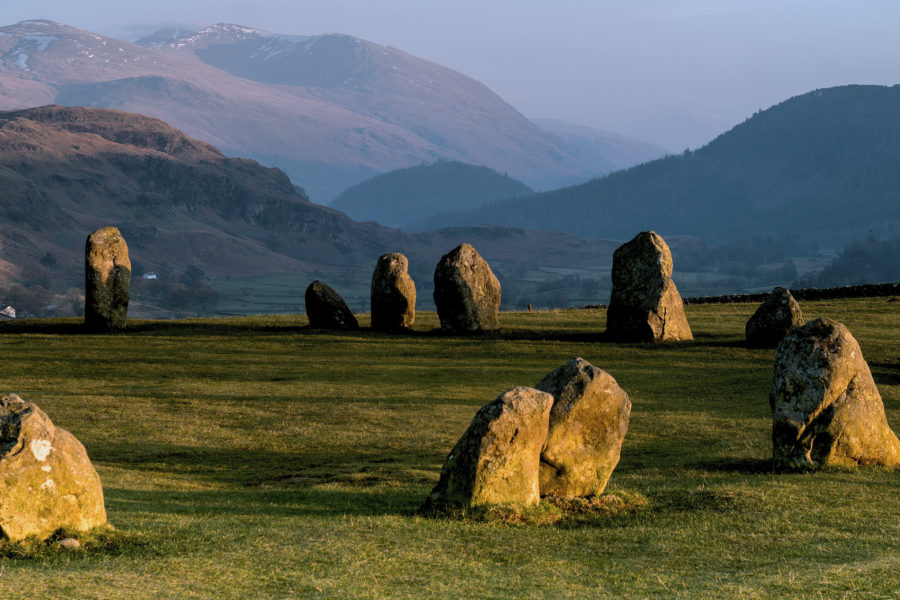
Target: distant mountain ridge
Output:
[(330, 110), (405, 197), (822, 165)]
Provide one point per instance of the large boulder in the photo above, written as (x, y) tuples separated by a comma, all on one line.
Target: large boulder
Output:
[(773, 319), (588, 423), (645, 305), (496, 461), (47, 481), (466, 292), (826, 409), (393, 294), (107, 280), (326, 309)]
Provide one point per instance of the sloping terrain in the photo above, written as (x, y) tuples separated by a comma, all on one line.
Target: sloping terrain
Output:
[(404, 197), (329, 110), (822, 165)]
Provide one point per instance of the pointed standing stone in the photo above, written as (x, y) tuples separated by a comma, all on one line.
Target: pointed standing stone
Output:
[(773, 319), (393, 294), (826, 409), (466, 292), (326, 309), (645, 305), (107, 280)]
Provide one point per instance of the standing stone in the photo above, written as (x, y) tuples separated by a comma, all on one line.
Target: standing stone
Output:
[(826, 409), (588, 423), (46, 479), (326, 309), (496, 461), (466, 292), (393, 294), (773, 319), (645, 305), (107, 280)]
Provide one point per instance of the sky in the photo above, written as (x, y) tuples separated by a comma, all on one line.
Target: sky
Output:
[(672, 72)]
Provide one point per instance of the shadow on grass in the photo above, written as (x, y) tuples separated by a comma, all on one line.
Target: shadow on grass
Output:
[(885, 373)]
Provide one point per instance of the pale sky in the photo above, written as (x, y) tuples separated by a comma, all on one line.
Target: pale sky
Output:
[(673, 72)]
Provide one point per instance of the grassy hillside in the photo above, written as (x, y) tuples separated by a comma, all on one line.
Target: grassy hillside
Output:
[(254, 458)]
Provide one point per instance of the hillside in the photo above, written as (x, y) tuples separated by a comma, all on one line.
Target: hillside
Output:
[(404, 197), (330, 110), (182, 204), (822, 165)]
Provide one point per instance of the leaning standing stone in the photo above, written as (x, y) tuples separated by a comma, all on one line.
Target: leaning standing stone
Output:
[(496, 460), (47, 481), (826, 409), (466, 292), (326, 309), (773, 319), (588, 423), (107, 279), (645, 305), (393, 294)]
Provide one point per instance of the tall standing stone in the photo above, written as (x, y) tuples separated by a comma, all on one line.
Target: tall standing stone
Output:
[(645, 305), (47, 481), (466, 292), (107, 279), (773, 319), (826, 409), (588, 423), (326, 309), (496, 461), (393, 294)]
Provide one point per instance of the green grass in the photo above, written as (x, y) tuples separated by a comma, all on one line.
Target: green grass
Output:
[(254, 458)]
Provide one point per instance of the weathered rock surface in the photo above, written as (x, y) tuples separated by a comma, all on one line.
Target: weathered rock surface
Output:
[(645, 305), (466, 292), (393, 294), (326, 309), (826, 409), (588, 423), (773, 319), (496, 460), (46, 479), (107, 279)]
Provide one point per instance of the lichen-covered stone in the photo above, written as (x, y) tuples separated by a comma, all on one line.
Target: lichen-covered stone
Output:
[(107, 280), (326, 309), (645, 305), (826, 409), (588, 423), (466, 292), (773, 319), (496, 461), (47, 481), (393, 294)]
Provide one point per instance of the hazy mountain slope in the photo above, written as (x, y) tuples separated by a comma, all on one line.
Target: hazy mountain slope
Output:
[(404, 197), (823, 164), (608, 151), (67, 171), (330, 110)]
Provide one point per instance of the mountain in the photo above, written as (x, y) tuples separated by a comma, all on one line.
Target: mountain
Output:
[(330, 110), (822, 165), (402, 198), (608, 151), (181, 203)]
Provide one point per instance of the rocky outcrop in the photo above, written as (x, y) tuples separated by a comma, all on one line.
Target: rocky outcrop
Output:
[(326, 309), (466, 292), (496, 461), (826, 409), (107, 280), (644, 305), (47, 481), (588, 423), (773, 319), (393, 294)]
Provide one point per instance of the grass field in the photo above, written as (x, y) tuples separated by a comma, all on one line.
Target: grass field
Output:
[(254, 458)]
